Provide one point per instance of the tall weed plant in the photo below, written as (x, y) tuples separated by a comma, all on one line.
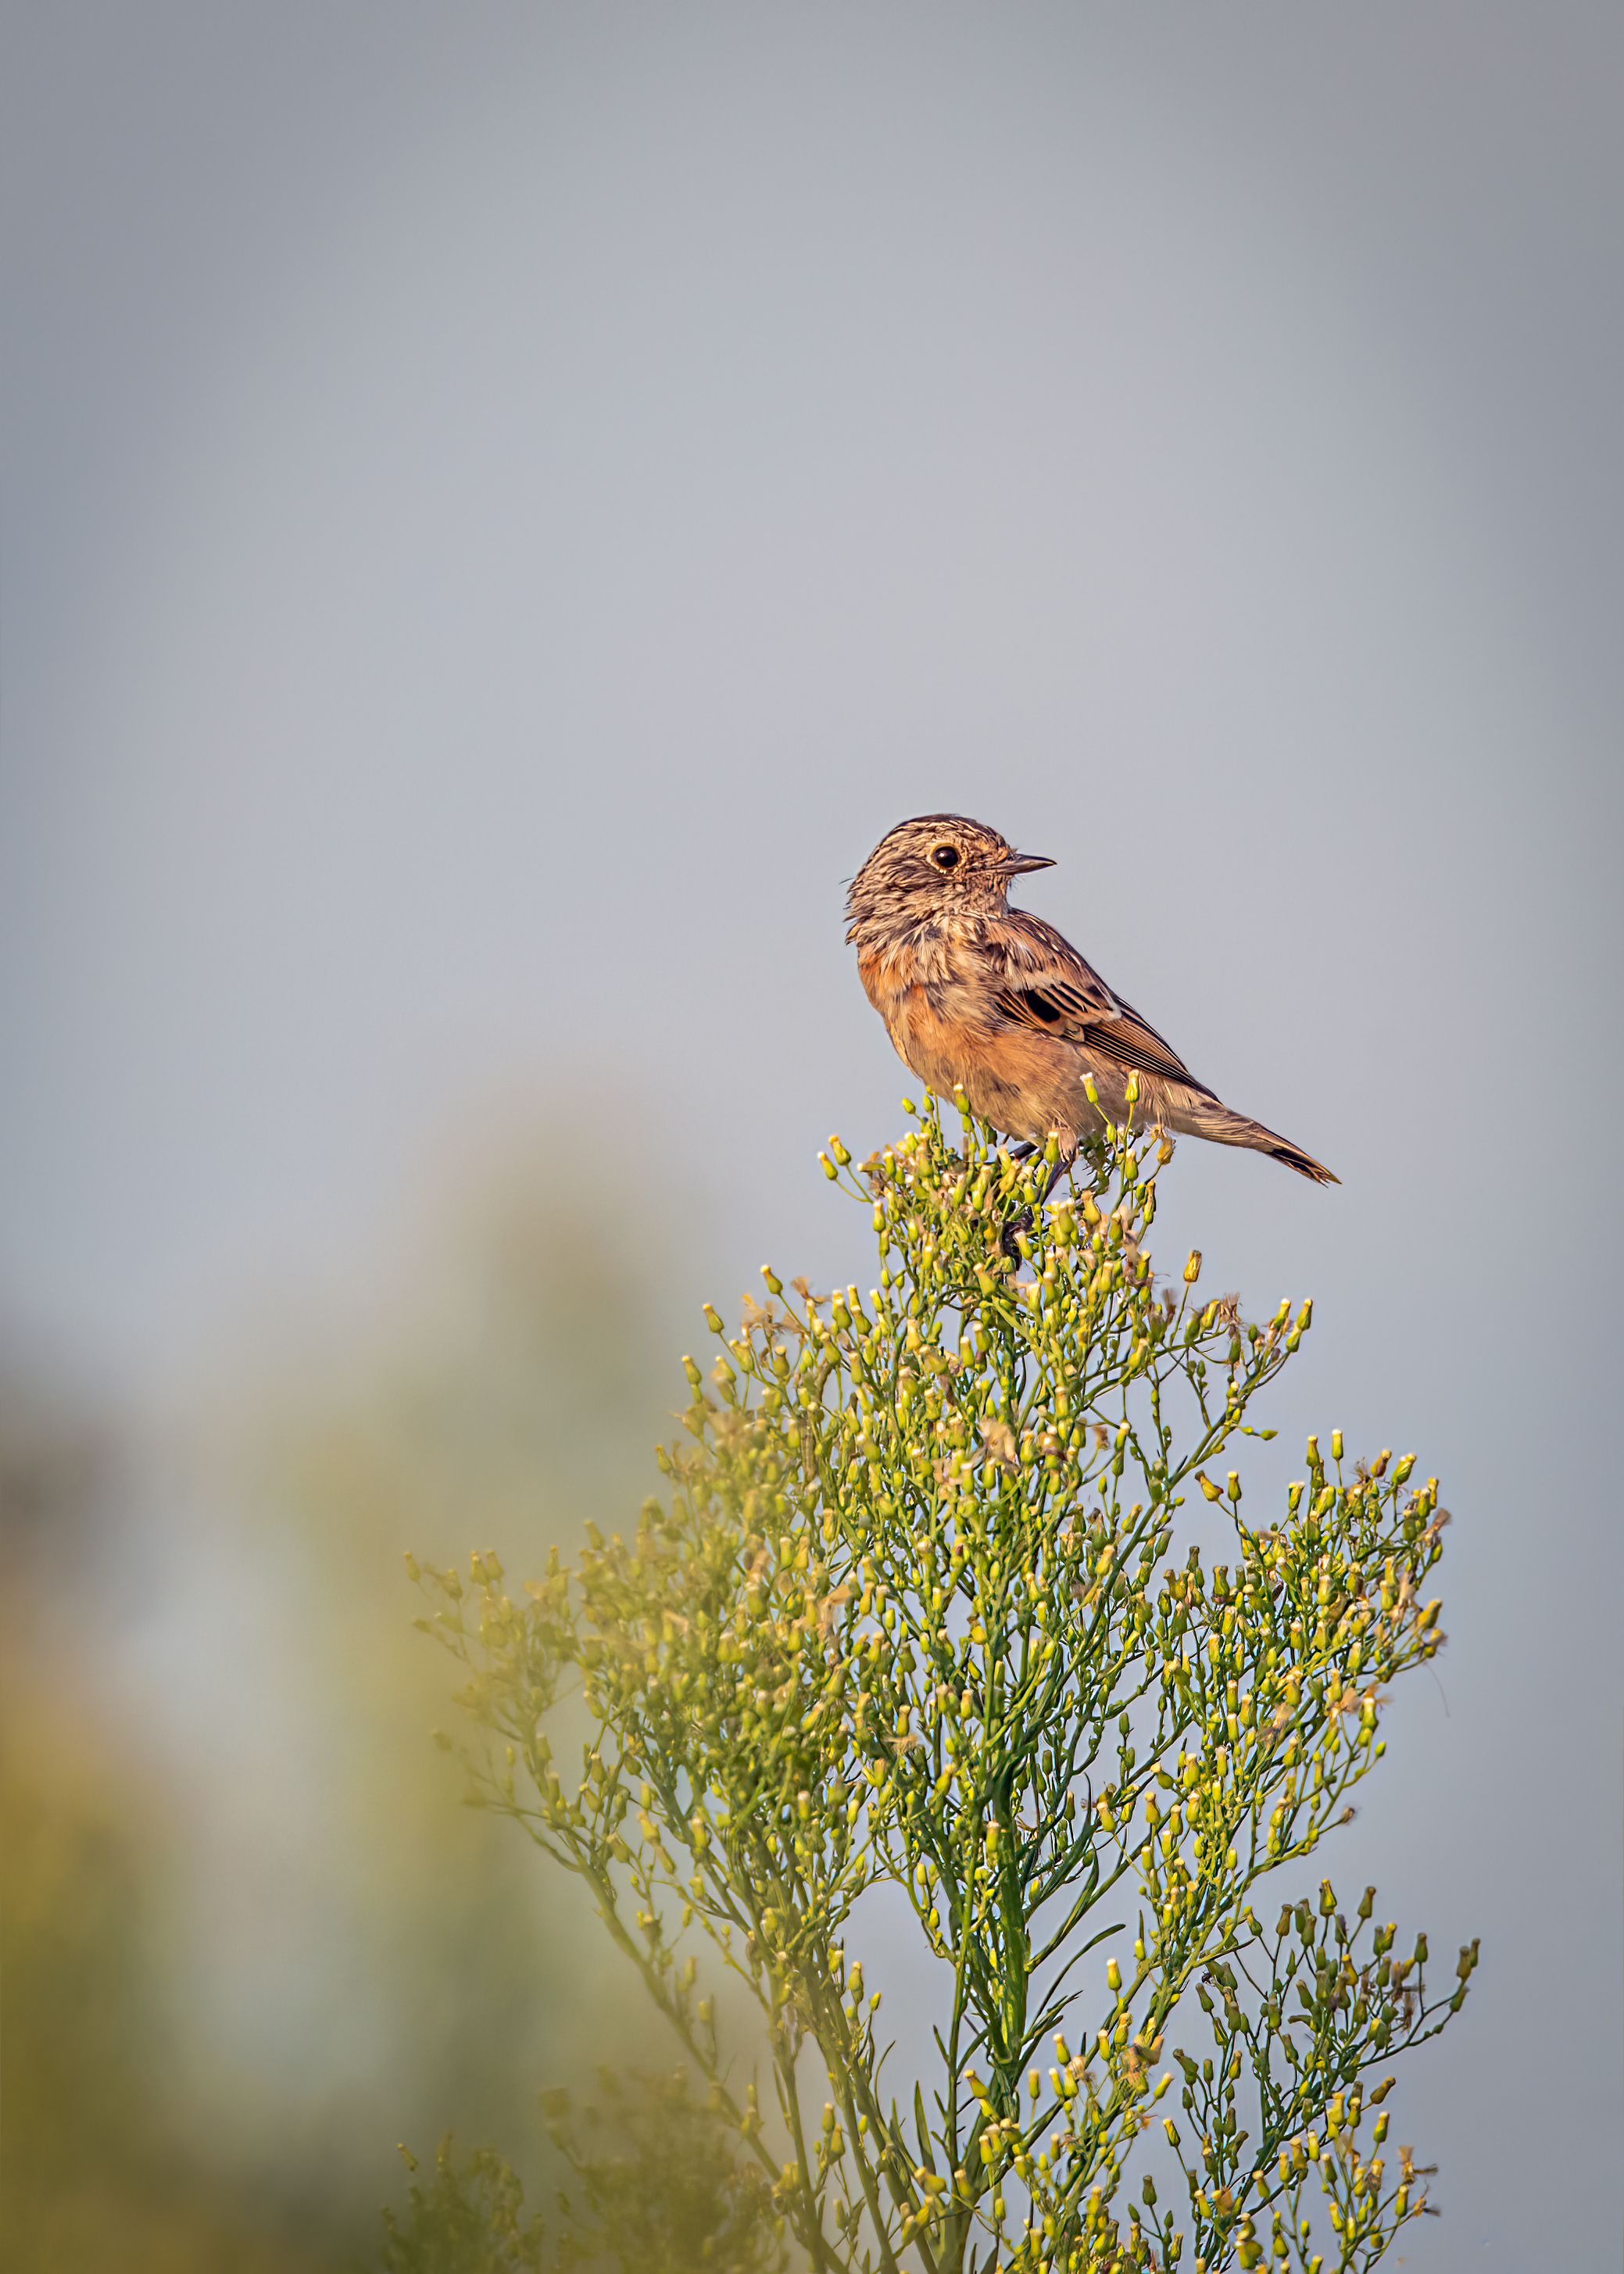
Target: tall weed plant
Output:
[(921, 1611)]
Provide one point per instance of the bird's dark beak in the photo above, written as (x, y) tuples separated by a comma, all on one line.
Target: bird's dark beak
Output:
[(1022, 864)]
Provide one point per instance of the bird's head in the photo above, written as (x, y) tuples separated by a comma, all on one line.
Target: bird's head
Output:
[(938, 865)]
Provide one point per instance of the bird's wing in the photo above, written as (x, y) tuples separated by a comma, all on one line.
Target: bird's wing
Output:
[(1048, 987)]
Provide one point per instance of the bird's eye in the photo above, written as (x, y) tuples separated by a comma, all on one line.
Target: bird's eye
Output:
[(945, 856)]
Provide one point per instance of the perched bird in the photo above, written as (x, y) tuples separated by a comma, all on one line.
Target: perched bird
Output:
[(978, 994)]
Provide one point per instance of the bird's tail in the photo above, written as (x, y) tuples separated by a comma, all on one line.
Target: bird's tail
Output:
[(1223, 1127)]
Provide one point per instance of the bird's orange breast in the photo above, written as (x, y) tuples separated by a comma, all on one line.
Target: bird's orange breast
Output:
[(927, 1041), (1022, 1082)]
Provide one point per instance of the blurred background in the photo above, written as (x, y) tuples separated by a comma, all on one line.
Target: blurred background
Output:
[(505, 504)]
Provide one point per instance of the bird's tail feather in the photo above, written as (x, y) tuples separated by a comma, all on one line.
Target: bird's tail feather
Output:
[(1225, 1127)]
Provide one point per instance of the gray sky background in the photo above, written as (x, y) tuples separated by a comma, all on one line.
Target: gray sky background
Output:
[(506, 505)]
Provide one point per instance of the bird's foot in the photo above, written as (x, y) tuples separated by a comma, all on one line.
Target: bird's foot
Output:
[(1026, 1218), (1055, 1174), (1008, 1239)]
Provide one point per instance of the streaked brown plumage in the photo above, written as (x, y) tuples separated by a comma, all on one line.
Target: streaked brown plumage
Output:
[(975, 993)]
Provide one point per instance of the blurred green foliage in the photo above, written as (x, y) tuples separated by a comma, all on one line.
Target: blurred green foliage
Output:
[(653, 2187), (92, 2173), (464, 2218), (247, 1940), (515, 1393)]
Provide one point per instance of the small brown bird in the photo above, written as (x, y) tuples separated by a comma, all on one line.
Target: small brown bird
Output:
[(978, 994)]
